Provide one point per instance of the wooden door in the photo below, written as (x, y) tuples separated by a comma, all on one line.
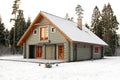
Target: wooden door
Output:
[(38, 51), (50, 52), (61, 52)]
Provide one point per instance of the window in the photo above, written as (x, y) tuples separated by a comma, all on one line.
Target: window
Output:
[(35, 31), (53, 30), (43, 33), (96, 49)]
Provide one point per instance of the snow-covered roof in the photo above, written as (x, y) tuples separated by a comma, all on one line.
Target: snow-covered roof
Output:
[(68, 28), (73, 32)]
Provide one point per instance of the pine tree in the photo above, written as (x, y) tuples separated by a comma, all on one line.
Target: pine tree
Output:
[(20, 25), (79, 11), (2, 32), (110, 25), (105, 25), (15, 12), (11, 39), (68, 18), (6, 38), (28, 23), (97, 23), (106, 20), (11, 36)]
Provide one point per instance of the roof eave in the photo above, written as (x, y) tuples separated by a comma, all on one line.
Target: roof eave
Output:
[(28, 31), (104, 45)]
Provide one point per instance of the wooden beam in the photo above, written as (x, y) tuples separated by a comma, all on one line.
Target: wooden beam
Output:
[(42, 23)]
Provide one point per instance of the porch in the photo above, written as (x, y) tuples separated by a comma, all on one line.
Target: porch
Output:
[(46, 52)]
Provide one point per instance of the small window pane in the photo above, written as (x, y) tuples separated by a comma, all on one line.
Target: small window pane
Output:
[(53, 30), (35, 31), (96, 49)]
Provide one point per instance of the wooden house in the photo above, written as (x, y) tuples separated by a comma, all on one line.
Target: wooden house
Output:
[(55, 38)]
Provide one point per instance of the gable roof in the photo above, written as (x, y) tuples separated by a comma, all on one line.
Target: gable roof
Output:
[(68, 28)]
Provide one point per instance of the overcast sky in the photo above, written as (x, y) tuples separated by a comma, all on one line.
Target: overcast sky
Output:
[(57, 7)]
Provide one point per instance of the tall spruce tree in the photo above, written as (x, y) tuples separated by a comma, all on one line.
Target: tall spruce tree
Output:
[(15, 12), (28, 23), (96, 23), (2, 33), (68, 18), (20, 28), (110, 25), (105, 25), (79, 11), (20, 25), (7, 38), (11, 36)]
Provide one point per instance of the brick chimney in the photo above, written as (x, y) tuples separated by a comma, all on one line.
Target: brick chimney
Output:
[(79, 23)]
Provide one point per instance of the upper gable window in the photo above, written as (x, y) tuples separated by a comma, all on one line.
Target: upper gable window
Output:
[(53, 30), (44, 33)]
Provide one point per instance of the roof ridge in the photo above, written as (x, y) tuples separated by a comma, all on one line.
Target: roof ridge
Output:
[(58, 16)]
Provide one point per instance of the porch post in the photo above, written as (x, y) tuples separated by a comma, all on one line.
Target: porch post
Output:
[(24, 50), (91, 52), (102, 53), (43, 52)]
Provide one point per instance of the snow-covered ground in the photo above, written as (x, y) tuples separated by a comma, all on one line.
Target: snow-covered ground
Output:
[(105, 69)]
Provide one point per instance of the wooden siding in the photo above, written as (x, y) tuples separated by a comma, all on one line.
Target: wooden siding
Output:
[(34, 38), (58, 38), (27, 51), (53, 38)]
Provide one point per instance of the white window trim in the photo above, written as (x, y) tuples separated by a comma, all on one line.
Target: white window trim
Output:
[(36, 31), (98, 49), (39, 32), (54, 30)]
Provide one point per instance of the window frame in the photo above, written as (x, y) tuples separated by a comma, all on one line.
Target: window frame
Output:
[(43, 33), (53, 30), (96, 49), (35, 33)]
